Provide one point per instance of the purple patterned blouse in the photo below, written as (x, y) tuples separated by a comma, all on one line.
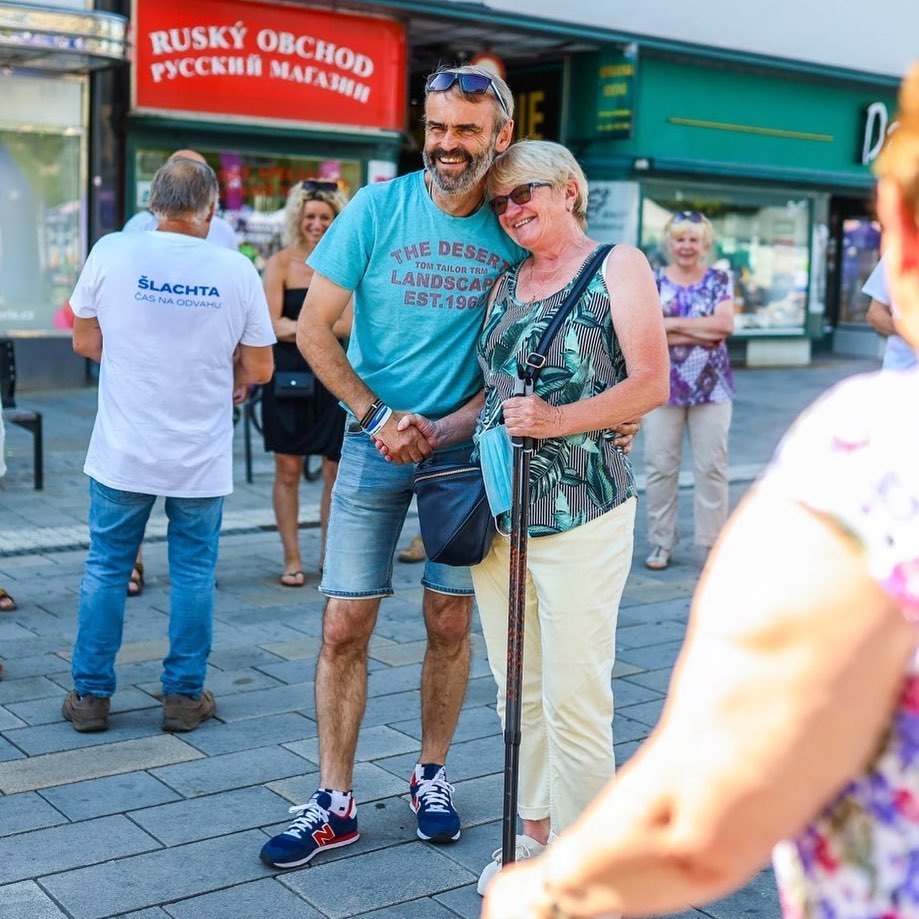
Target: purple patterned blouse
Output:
[(853, 458), (698, 376)]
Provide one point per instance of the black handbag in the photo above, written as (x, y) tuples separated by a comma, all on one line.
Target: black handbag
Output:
[(294, 384), (456, 522), (457, 526)]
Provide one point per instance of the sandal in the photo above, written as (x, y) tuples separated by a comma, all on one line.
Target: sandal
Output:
[(136, 583), (293, 579), (659, 558), (7, 603)]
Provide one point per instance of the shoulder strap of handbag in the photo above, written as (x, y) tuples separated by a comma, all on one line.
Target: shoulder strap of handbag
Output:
[(536, 360)]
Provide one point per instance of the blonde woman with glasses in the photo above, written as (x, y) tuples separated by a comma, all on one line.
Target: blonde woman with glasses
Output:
[(698, 304)]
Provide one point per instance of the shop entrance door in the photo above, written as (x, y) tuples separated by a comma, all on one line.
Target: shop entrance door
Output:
[(854, 250)]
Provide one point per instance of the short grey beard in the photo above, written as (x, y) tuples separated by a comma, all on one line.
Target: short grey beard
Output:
[(463, 183)]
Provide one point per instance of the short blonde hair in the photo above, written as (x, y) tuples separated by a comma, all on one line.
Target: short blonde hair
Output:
[(293, 209), (681, 219), (540, 161)]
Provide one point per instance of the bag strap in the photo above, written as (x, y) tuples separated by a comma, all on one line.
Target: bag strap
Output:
[(529, 371)]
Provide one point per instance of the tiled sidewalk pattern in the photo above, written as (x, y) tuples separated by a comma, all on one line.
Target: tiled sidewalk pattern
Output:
[(137, 823)]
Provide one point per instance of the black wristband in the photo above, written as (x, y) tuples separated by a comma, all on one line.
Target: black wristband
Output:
[(367, 417)]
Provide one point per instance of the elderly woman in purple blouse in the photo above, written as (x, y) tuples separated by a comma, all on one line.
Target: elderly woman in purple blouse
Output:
[(698, 308)]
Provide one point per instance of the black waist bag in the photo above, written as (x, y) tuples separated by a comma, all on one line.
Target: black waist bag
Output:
[(294, 384), (456, 522)]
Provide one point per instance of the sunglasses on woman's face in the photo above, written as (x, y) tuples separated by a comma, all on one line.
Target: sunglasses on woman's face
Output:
[(688, 217), (476, 84), (519, 195), (309, 185)]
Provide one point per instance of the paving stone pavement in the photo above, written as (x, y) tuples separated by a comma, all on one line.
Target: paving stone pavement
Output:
[(136, 823)]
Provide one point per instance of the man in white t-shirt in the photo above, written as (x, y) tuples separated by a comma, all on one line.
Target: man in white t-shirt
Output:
[(220, 232), (181, 327), (898, 355)]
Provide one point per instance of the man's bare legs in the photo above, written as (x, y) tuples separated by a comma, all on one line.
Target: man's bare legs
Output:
[(341, 679), (341, 686), (445, 671)]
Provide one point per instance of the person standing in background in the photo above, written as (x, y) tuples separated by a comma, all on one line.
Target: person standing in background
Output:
[(296, 425), (180, 328), (698, 304), (898, 355), (220, 233)]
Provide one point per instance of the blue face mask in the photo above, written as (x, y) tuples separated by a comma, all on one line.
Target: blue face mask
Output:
[(496, 457)]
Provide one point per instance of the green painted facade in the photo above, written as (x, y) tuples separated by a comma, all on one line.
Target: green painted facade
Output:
[(702, 116)]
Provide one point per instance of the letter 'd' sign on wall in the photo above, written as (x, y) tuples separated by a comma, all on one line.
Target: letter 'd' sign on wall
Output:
[(255, 62)]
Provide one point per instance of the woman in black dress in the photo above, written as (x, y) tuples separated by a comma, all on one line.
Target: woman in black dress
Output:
[(296, 426)]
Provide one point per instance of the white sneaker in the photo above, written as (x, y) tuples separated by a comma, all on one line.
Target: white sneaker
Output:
[(527, 847)]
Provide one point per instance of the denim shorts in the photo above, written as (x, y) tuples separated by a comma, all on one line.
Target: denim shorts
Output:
[(369, 502)]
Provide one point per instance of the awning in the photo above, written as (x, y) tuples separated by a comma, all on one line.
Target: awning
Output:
[(62, 41)]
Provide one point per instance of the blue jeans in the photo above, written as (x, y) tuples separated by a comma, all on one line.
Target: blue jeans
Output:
[(369, 503), (116, 529)]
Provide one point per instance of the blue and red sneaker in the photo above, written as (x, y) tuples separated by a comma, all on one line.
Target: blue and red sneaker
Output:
[(432, 802), (315, 828)]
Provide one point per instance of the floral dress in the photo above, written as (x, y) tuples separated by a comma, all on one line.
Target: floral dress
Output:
[(854, 457), (698, 376)]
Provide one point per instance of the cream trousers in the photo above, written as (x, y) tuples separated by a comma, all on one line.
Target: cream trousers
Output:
[(662, 429), (574, 583)]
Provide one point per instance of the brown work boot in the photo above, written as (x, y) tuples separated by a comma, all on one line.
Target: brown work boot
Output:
[(185, 713), (413, 552), (86, 713)]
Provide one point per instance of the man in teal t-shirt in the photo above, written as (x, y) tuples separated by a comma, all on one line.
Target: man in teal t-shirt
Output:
[(419, 254)]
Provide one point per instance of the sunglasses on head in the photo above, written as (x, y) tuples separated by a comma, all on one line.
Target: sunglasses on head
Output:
[(476, 84), (688, 217), (310, 185), (519, 195)]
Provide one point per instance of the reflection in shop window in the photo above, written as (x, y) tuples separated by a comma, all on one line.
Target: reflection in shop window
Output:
[(40, 219), (861, 244), (253, 190), (761, 240)]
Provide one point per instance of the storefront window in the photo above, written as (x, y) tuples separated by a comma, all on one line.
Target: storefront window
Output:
[(253, 190), (861, 243), (42, 241), (761, 239)]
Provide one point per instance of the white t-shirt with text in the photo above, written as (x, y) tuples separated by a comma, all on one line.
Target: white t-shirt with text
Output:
[(172, 309)]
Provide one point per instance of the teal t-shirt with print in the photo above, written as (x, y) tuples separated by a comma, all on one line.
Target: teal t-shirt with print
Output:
[(421, 280)]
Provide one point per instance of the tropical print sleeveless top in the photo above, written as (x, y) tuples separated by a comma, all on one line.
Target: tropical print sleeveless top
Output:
[(577, 478), (854, 456)]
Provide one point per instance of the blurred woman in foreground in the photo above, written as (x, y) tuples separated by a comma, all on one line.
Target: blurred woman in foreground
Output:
[(793, 720)]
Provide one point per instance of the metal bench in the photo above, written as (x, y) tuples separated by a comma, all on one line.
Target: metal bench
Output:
[(22, 417)]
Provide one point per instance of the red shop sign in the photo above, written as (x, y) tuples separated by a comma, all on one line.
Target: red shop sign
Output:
[(253, 61)]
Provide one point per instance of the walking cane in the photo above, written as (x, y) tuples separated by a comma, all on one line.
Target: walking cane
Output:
[(520, 503)]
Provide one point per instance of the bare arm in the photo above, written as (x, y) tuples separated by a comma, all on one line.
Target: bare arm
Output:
[(284, 329), (788, 679), (636, 310), (325, 305), (87, 338), (252, 364), (880, 318), (342, 327), (702, 329)]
